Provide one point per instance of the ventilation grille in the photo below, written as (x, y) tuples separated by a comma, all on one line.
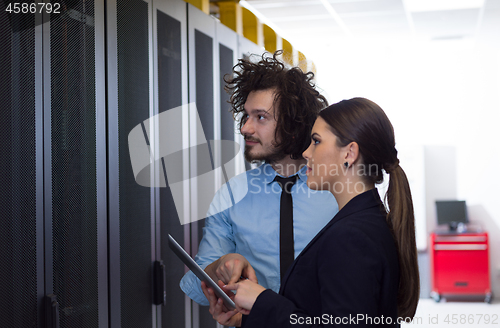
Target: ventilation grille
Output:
[(18, 271), (73, 154)]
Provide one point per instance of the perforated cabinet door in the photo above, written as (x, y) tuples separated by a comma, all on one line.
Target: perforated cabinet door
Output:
[(202, 79), (75, 198), (21, 271), (170, 42), (131, 216)]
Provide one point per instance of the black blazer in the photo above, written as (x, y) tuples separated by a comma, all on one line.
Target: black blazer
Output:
[(348, 275)]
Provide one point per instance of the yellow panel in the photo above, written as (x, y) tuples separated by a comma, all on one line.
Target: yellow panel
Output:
[(287, 52), (269, 39), (231, 15), (252, 28), (313, 68), (302, 62), (203, 5)]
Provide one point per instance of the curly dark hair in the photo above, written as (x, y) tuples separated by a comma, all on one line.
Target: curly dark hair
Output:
[(297, 103)]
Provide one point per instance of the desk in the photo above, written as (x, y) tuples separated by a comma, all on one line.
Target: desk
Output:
[(460, 266)]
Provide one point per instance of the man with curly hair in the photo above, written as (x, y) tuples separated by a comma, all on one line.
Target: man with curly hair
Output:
[(276, 107)]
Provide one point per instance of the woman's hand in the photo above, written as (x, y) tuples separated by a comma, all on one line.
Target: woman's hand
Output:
[(217, 308), (246, 294)]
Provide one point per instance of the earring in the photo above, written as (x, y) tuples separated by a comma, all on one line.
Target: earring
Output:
[(346, 164)]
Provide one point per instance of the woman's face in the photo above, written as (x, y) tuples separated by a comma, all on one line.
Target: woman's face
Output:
[(324, 158)]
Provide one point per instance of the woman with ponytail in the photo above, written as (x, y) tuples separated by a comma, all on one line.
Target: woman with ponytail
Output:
[(361, 269)]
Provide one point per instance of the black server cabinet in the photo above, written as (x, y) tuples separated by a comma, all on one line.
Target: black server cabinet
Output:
[(21, 182), (147, 77), (231, 159), (130, 204), (75, 165), (170, 62), (68, 188), (54, 185), (202, 92)]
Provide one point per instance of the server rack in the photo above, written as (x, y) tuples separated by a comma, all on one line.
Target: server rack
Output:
[(54, 207), (72, 88), (170, 85), (228, 57), (21, 186), (74, 165), (132, 206), (202, 80)]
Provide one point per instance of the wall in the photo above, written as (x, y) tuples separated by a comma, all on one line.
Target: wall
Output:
[(436, 94)]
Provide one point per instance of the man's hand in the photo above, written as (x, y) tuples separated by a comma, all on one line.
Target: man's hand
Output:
[(230, 268), (218, 310)]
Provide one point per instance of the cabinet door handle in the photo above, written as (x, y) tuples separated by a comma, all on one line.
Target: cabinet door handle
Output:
[(51, 311), (460, 247), (458, 239), (160, 292)]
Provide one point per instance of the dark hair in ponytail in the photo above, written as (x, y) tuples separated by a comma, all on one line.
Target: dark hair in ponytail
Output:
[(364, 122)]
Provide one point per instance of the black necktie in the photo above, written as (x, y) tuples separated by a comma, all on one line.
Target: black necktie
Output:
[(286, 223)]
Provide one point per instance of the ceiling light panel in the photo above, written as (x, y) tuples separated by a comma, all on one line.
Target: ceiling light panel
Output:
[(314, 26), (291, 10), (446, 24), (377, 23), (259, 4), (439, 5), (353, 7)]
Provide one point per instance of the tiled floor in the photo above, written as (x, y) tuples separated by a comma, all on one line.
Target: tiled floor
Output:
[(456, 314)]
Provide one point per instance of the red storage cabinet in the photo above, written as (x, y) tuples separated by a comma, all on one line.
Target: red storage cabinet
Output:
[(460, 266)]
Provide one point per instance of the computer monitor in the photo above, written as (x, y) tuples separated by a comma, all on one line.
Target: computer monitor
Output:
[(452, 213)]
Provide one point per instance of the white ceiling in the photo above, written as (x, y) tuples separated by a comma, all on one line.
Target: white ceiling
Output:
[(308, 24)]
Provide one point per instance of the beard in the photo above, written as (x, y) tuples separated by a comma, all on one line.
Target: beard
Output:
[(269, 156)]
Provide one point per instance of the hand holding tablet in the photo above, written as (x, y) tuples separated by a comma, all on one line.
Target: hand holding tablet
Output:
[(199, 272)]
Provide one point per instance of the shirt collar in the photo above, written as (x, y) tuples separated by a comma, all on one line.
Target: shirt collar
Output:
[(270, 173)]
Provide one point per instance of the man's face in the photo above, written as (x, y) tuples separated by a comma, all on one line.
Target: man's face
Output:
[(259, 127)]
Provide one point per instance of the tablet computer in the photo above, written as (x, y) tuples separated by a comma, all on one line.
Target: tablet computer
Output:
[(199, 272)]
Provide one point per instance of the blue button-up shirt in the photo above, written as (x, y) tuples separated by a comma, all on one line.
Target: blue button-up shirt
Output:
[(251, 226)]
